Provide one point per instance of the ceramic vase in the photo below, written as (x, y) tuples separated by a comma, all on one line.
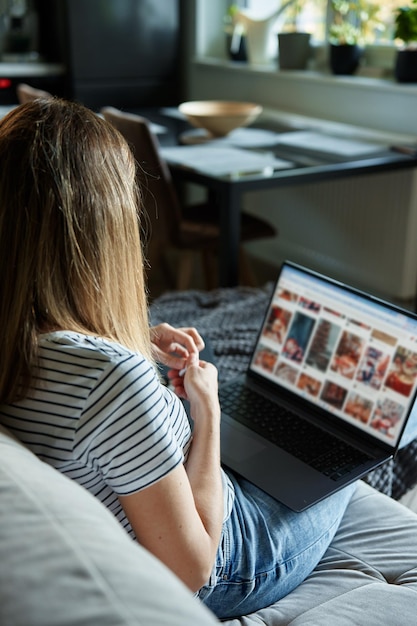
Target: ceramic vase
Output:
[(259, 33)]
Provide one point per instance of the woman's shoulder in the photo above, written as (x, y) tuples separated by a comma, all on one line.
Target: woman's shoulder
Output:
[(86, 349), (68, 340), (87, 363)]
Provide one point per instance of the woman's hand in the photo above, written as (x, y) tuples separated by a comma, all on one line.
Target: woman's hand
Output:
[(197, 382), (173, 346)]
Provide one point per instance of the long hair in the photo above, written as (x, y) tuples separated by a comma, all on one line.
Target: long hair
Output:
[(70, 249)]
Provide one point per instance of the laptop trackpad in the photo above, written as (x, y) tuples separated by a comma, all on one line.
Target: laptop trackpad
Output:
[(268, 467), (240, 447)]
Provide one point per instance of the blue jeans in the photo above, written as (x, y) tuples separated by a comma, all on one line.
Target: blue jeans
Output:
[(267, 550)]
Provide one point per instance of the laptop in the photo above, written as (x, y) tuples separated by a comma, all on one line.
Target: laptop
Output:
[(327, 393)]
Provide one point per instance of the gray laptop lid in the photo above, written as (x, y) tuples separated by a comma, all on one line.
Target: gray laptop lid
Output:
[(344, 351)]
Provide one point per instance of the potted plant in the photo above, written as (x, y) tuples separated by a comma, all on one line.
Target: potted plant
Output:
[(406, 32), (235, 35), (293, 45), (258, 31), (353, 26)]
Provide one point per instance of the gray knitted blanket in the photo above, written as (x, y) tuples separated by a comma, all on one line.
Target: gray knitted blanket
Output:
[(231, 319)]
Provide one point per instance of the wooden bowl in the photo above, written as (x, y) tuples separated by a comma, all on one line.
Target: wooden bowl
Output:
[(219, 117)]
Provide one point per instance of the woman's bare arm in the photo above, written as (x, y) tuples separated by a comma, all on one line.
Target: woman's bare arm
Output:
[(179, 518)]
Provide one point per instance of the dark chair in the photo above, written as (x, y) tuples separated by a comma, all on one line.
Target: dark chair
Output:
[(187, 229), (27, 93)]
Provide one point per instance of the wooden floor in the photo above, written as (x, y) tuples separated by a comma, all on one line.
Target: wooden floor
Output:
[(159, 281)]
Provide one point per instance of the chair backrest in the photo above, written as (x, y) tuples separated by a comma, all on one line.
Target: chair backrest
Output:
[(159, 196), (27, 93)]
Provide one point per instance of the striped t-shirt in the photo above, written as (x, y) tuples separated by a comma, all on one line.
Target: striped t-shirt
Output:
[(99, 414)]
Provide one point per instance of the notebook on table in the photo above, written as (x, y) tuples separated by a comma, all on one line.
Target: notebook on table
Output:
[(328, 391)]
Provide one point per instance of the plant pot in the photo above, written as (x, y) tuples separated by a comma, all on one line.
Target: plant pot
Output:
[(239, 53), (345, 58), (293, 50), (405, 70)]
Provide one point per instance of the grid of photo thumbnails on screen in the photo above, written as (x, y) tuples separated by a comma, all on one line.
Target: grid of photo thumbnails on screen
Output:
[(314, 343)]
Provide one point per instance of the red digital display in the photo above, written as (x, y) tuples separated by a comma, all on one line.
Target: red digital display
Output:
[(5, 83)]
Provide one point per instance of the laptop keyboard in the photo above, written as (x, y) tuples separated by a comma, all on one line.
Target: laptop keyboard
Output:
[(307, 442)]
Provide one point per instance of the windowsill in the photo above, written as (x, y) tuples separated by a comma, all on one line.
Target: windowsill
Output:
[(377, 106), (364, 79)]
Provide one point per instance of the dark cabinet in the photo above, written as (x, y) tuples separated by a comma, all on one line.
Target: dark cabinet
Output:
[(125, 53)]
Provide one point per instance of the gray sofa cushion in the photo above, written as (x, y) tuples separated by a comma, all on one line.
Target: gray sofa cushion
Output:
[(367, 577), (66, 561)]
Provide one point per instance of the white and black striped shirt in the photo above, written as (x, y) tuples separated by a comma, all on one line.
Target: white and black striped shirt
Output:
[(99, 414)]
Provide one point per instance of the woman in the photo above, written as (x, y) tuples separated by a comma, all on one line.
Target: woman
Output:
[(79, 385)]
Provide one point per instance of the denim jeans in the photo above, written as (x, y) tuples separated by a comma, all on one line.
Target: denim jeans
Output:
[(267, 550)]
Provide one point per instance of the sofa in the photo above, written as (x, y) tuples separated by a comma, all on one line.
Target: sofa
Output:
[(65, 560)]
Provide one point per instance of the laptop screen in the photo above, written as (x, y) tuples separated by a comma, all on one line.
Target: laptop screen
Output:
[(347, 352)]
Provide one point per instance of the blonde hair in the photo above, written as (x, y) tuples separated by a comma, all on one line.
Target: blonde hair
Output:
[(70, 249)]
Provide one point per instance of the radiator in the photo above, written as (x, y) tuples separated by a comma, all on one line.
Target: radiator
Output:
[(362, 230)]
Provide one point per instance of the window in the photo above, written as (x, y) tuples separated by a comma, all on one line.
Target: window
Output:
[(387, 13), (310, 17), (313, 16)]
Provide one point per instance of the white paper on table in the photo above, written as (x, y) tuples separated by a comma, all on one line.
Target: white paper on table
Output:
[(238, 138), (219, 160), (322, 143), (158, 129)]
